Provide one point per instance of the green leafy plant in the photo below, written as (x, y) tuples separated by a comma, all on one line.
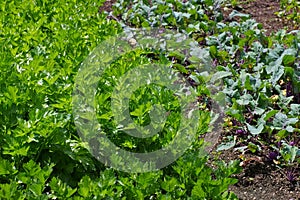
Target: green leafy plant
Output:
[(290, 10), (43, 44)]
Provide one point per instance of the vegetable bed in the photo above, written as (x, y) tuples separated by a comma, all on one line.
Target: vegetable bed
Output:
[(45, 44)]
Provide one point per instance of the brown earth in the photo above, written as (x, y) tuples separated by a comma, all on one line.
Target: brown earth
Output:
[(263, 11), (107, 6), (260, 178)]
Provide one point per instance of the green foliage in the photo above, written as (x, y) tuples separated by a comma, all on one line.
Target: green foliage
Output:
[(193, 17), (290, 10), (43, 44), (261, 74), (264, 85)]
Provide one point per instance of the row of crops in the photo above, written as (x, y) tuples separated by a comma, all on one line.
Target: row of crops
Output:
[(43, 44)]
